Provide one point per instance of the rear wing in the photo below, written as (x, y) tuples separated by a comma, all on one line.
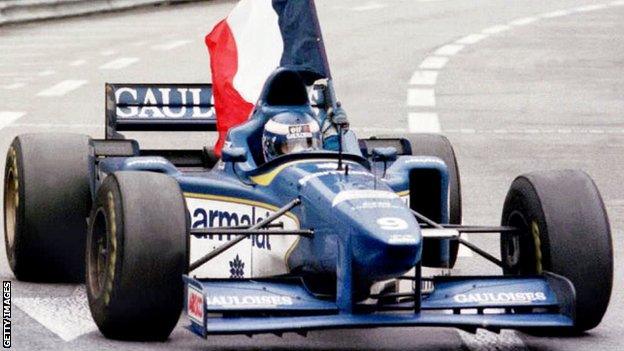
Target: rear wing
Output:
[(159, 107)]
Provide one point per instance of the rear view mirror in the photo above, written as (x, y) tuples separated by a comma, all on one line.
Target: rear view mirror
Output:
[(384, 154), (234, 154)]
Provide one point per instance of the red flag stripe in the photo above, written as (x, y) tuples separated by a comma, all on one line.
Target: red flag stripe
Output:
[(230, 106)]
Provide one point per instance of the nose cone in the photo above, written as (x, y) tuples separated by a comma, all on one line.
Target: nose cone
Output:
[(385, 237)]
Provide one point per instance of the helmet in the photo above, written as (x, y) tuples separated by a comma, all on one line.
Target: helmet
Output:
[(290, 132)]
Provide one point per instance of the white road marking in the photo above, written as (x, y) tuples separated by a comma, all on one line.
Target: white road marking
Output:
[(423, 122), (523, 21), (424, 78), (13, 86), (68, 317), (11, 74), (421, 97), (171, 45), (108, 52), (62, 88), (448, 50), (47, 72), (77, 63), (434, 62), (120, 63), (496, 29), (139, 43), (590, 8), (369, 7), (471, 39), (487, 340), (8, 117), (553, 14)]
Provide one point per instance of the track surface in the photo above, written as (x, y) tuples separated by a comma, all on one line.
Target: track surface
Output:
[(545, 93)]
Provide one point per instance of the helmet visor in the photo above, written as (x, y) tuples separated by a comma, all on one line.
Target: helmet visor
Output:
[(299, 145)]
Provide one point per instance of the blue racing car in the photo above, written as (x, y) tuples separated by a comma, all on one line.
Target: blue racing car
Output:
[(315, 236)]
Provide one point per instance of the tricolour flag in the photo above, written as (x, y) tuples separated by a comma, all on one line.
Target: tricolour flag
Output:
[(256, 38)]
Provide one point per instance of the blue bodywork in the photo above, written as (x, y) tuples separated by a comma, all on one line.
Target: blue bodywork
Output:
[(364, 232)]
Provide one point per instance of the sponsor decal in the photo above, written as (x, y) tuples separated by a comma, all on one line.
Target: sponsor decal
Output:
[(237, 268), (299, 136), (211, 218), (156, 103), (258, 255), (249, 301), (195, 305), (426, 286), (512, 297), (375, 205), (402, 239), (392, 223), (348, 195)]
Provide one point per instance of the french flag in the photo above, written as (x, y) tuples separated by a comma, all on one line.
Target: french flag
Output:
[(257, 37)]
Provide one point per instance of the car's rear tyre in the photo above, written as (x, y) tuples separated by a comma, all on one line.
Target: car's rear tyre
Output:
[(439, 146), (47, 197), (137, 252), (564, 229)]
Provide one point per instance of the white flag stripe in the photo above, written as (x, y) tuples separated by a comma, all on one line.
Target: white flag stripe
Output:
[(259, 44)]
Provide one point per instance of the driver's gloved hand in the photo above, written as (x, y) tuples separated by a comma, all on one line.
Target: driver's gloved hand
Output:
[(339, 117)]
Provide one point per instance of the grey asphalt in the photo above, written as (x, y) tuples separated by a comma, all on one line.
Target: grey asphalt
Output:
[(542, 96)]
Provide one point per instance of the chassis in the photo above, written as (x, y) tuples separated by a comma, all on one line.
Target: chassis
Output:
[(300, 243)]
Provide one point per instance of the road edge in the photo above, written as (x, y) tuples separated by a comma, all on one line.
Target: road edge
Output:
[(24, 11)]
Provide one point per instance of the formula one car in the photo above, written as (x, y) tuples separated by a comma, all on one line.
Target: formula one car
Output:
[(306, 241)]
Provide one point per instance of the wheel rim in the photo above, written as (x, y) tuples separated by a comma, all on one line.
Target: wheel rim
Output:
[(512, 247), (11, 203), (98, 253)]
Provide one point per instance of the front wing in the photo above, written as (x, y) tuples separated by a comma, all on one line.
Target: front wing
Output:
[(277, 305)]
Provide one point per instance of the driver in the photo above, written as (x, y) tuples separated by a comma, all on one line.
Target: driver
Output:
[(290, 132)]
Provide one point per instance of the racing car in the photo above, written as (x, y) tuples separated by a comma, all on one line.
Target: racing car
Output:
[(306, 241)]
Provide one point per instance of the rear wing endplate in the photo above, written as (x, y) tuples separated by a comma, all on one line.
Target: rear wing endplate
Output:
[(159, 107)]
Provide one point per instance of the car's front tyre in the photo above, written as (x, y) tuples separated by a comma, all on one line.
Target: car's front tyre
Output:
[(564, 229), (137, 252)]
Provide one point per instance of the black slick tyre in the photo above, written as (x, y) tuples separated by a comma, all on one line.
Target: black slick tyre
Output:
[(137, 252), (564, 229), (47, 198)]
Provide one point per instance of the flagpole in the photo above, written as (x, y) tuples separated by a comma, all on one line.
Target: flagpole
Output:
[(333, 102), (337, 115)]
